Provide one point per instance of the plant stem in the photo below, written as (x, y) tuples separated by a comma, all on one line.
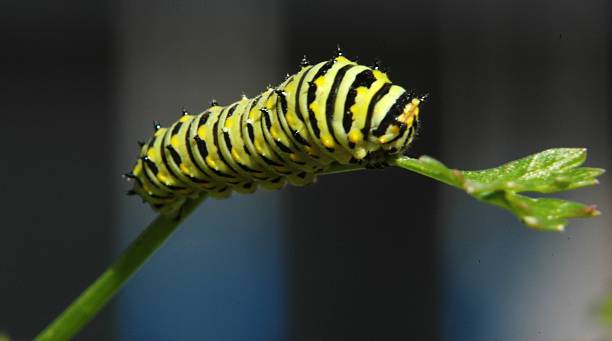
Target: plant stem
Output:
[(89, 303), (418, 166), (95, 297)]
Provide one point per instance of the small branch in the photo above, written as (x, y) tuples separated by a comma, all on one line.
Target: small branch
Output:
[(89, 303), (550, 171)]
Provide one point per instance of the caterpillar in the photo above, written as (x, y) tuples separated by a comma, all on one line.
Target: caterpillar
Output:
[(333, 112)]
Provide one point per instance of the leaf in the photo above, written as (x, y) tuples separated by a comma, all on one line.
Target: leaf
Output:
[(550, 171)]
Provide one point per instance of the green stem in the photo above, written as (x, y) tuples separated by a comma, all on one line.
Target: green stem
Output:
[(89, 303), (95, 297), (417, 166)]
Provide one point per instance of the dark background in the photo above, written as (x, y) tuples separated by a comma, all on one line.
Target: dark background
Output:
[(379, 255)]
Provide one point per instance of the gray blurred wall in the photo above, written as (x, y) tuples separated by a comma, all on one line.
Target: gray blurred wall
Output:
[(519, 77), (56, 205)]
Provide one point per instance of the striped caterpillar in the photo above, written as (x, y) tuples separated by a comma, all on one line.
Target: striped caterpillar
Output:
[(333, 112)]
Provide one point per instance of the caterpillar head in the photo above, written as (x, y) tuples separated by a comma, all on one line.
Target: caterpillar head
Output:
[(399, 122)]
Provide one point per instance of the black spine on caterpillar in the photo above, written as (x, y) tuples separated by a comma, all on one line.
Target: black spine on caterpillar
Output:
[(336, 111)]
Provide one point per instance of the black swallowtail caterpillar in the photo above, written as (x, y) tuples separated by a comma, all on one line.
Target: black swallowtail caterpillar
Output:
[(336, 111)]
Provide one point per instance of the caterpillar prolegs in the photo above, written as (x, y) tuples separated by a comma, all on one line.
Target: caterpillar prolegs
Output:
[(333, 112)]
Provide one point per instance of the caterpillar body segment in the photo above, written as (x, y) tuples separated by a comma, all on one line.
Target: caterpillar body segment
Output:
[(336, 111)]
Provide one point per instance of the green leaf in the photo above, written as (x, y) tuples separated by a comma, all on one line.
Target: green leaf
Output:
[(550, 171)]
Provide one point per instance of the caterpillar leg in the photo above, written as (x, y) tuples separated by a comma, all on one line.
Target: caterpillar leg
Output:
[(375, 160)]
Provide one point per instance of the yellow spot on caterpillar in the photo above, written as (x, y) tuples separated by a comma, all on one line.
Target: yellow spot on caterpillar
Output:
[(164, 177), (184, 118), (254, 115), (185, 169), (355, 136), (390, 134), (274, 132), (294, 157), (202, 132), (291, 119), (259, 147), (362, 92), (175, 141), (380, 76), (410, 112), (236, 156), (152, 154), (409, 120), (327, 141), (229, 123), (319, 81), (314, 107), (211, 162), (269, 103)]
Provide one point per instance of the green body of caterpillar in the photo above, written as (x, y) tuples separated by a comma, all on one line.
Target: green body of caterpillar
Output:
[(336, 111)]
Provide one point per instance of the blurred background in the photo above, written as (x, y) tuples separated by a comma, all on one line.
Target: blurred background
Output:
[(82, 81)]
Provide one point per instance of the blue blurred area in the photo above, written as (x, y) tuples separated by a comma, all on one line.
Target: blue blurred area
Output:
[(221, 276)]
